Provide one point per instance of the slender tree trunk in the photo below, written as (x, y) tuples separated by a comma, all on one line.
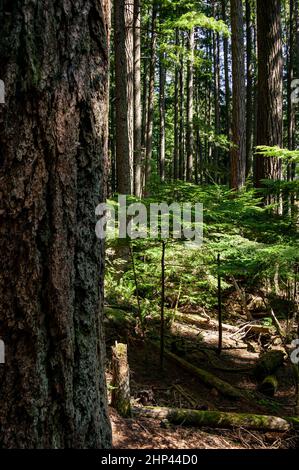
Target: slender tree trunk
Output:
[(270, 103), (249, 98), (238, 152), (216, 72), (176, 118), (190, 91), (207, 111), (145, 90), (53, 149), (137, 101), (124, 94), (151, 97), (291, 115), (255, 78), (162, 78), (199, 149), (296, 11), (224, 4), (182, 117)]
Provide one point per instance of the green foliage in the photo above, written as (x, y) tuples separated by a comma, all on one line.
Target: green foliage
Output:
[(257, 247), (292, 156), (193, 18)]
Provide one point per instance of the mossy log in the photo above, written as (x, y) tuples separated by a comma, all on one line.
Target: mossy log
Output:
[(269, 386), (121, 396), (268, 363), (217, 419), (207, 378)]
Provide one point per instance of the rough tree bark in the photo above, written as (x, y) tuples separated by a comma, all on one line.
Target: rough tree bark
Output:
[(224, 6), (270, 86), (53, 141), (137, 101), (238, 152), (124, 94), (249, 98)]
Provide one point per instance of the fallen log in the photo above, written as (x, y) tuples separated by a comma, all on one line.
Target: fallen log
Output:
[(206, 377), (259, 330), (215, 362), (269, 386), (217, 419), (203, 322), (268, 363)]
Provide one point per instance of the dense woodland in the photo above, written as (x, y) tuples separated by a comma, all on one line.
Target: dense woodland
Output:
[(148, 343)]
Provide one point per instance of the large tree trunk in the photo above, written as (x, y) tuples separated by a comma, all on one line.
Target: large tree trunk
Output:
[(238, 152), (137, 101), (53, 141), (124, 94), (224, 5), (270, 104), (249, 98)]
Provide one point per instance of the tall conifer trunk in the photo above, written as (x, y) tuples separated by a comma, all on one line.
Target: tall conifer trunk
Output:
[(53, 148)]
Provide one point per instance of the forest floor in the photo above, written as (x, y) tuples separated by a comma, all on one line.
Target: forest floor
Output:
[(176, 388)]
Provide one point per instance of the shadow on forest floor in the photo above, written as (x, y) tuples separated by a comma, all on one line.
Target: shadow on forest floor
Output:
[(155, 387)]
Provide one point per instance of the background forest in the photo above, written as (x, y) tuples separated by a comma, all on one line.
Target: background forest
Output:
[(173, 101), (204, 108)]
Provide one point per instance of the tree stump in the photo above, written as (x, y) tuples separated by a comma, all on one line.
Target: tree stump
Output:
[(265, 372), (121, 397), (269, 386)]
